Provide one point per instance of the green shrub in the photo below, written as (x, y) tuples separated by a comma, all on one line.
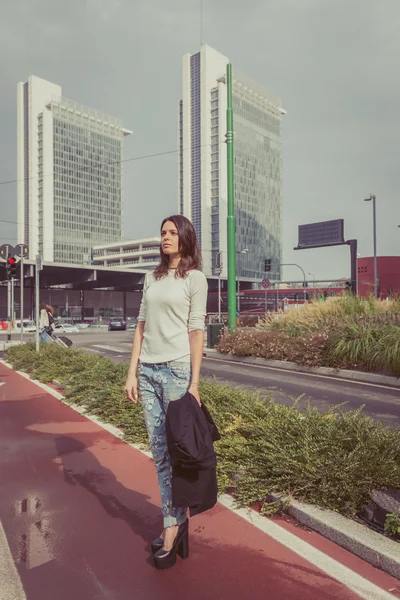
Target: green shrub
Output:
[(327, 316), (374, 346), (331, 459), (340, 333)]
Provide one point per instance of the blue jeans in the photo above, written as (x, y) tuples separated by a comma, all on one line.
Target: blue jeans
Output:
[(44, 336), (159, 384)]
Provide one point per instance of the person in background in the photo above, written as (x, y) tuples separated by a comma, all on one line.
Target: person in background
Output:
[(46, 322)]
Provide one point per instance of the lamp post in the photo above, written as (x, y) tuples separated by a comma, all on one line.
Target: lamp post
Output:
[(304, 276), (244, 251), (231, 224), (372, 198), (313, 278)]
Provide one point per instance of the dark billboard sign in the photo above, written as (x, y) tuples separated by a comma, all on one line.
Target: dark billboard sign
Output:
[(325, 233)]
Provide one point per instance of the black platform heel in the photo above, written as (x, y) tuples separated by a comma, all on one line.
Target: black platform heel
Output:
[(165, 559), (156, 545)]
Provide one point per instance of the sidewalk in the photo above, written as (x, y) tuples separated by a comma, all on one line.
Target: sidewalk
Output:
[(79, 508)]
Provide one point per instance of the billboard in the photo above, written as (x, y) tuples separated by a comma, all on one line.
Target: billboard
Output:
[(325, 233)]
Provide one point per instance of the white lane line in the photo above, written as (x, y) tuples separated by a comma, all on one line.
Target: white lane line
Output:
[(11, 587), (111, 348), (358, 584), (315, 375)]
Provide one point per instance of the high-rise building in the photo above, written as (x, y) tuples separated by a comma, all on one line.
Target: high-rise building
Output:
[(203, 167), (69, 174)]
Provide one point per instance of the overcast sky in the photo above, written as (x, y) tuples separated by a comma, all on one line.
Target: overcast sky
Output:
[(334, 63)]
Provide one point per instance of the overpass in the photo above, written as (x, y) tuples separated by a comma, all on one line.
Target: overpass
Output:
[(111, 291)]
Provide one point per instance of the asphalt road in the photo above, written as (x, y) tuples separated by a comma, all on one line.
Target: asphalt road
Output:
[(381, 402)]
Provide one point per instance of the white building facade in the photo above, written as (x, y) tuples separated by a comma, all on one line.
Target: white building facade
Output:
[(69, 174), (136, 254), (203, 165)]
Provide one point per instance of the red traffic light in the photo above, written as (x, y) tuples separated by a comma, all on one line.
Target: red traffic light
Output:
[(11, 261)]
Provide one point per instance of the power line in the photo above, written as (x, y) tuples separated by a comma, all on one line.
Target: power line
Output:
[(102, 165)]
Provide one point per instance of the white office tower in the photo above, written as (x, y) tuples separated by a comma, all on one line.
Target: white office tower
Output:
[(203, 168), (69, 174)]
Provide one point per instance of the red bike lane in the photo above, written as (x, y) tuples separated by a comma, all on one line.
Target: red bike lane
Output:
[(80, 507)]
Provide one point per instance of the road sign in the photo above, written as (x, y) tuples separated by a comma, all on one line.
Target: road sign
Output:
[(238, 313), (21, 250), (6, 250), (265, 282), (321, 234)]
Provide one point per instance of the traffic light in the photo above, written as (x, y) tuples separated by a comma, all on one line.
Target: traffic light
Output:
[(11, 267), (218, 262), (267, 265)]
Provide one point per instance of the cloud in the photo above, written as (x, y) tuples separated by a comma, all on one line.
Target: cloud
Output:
[(334, 64)]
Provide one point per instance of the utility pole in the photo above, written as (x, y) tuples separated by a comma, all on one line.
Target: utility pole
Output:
[(372, 198), (9, 310), (21, 251), (37, 299), (219, 269), (231, 206), (7, 255), (12, 304), (21, 299)]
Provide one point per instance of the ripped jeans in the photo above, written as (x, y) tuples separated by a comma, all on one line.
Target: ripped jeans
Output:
[(158, 385)]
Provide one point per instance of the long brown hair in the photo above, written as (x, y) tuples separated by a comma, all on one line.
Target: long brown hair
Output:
[(188, 249)]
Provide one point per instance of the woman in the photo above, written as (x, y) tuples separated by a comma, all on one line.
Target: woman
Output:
[(46, 322), (169, 341)]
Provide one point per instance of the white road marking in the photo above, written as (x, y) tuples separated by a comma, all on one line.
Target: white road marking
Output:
[(111, 348), (11, 587), (315, 375), (358, 584)]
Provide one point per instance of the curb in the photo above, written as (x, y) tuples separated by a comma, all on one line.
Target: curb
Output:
[(373, 547), (376, 549), (357, 376)]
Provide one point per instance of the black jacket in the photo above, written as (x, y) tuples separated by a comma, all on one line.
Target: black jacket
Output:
[(191, 432)]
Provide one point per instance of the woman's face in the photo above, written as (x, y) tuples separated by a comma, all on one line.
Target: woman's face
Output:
[(170, 239)]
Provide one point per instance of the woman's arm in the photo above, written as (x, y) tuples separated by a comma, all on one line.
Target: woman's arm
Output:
[(196, 340), (198, 305), (131, 381)]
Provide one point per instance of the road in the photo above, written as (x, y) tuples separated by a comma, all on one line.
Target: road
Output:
[(381, 402)]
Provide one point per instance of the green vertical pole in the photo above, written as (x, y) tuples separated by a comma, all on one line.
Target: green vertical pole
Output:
[(231, 207)]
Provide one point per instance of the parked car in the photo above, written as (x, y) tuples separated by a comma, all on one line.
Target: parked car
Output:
[(66, 328), (82, 325), (29, 326), (117, 325)]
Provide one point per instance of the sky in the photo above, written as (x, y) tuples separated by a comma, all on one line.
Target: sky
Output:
[(334, 64)]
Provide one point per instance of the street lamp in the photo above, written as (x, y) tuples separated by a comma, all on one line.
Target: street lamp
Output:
[(373, 198), (313, 278), (244, 251)]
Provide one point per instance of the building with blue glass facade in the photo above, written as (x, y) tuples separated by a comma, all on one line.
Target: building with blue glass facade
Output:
[(258, 165)]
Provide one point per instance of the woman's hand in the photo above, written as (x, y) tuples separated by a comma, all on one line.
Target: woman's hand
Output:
[(194, 390), (131, 388)]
